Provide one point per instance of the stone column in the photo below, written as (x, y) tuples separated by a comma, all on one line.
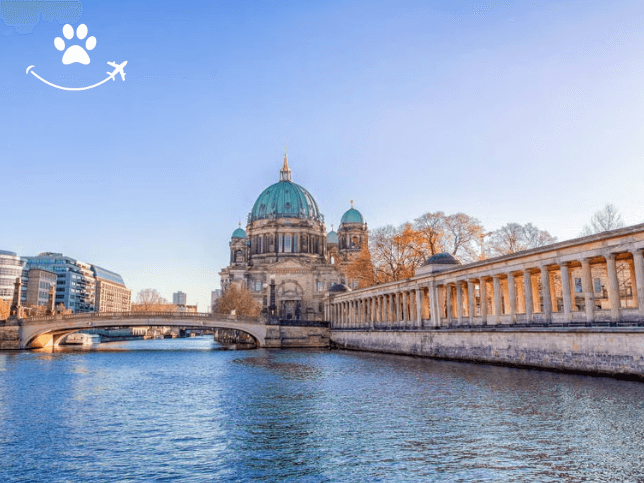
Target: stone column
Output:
[(471, 302), (376, 310), (638, 262), (565, 292), (536, 298), (434, 303), (527, 295), (554, 307), (483, 300), (51, 302), (459, 302), (587, 287), (448, 302), (405, 316), (442, 297), (16, 309), (419, 307), (545, 290), (613, 287), (496, 286), (512, 298)]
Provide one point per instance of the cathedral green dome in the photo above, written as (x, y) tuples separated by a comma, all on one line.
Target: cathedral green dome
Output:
[(239, 233), (352, 216), (332, 238), (285, 199)]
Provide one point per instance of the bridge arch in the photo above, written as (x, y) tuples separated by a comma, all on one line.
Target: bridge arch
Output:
[(45, 331)]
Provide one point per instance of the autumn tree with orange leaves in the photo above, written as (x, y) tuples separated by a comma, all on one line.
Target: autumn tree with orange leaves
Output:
[(4, 310), (394, 252), (361, 268)]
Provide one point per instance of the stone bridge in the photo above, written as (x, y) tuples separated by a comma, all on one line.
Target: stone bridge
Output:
[(44, 332)]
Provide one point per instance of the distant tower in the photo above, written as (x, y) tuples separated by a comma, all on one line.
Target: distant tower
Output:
[(239, 246), (179, 298), (352, 233), (332, 247)]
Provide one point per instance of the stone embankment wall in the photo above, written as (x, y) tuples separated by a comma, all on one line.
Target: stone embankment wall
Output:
[(614, 352), (285, 337), (9, 337)]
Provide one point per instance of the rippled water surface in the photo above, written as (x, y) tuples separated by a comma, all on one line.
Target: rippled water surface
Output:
[(179, 410)]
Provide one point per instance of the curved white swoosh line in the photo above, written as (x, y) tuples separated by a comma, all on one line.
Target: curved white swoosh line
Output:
[(67, 88)]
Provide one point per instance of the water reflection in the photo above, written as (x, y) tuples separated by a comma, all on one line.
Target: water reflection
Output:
[(173, 411)]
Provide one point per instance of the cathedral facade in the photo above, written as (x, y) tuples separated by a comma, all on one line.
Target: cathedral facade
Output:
[(285, 257)]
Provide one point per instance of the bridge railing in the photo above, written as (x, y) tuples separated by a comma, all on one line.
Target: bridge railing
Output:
[(142, 315)]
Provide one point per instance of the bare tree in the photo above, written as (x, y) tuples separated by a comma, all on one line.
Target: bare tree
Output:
[(456, 234), (61, 309), (608, 218), (462, 232), (514, 237), (239, 301), (150, 300)]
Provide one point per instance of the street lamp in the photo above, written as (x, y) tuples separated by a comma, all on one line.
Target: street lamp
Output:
[(272, 308)]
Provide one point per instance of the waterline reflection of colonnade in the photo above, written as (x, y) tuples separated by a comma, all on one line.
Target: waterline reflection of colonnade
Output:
[(595, 280)]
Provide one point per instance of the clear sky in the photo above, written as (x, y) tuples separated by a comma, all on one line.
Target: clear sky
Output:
[(505, 110)]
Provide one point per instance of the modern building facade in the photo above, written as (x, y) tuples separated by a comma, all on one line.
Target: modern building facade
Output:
[(75, 284), (111, 293), (286, 253), (10, 269), (80, 287), (179, 298), (36, 284)]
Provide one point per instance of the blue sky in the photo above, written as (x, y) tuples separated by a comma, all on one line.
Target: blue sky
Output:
[(507, 111)]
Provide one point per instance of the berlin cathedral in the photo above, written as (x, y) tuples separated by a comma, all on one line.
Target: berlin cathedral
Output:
[(286, 250)]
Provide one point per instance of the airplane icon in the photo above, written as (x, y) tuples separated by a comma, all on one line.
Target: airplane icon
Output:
[(118, 69)]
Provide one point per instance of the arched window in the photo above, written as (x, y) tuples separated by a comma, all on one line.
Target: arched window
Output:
[(239, 256)]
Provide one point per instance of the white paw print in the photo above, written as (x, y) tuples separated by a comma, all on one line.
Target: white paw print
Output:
[(75, 53)]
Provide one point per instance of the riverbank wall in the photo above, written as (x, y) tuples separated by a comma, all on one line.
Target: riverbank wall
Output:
[(615, 352), (9, 337)]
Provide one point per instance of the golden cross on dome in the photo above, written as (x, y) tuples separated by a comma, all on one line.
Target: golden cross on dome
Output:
[(351, 204)]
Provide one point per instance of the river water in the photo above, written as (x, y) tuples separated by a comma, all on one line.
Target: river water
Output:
[(181, 410)]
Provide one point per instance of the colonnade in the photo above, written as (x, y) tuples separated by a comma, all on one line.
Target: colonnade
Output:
[(594, 287)]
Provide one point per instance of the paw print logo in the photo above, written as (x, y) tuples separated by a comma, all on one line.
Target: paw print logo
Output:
[(75, 53)]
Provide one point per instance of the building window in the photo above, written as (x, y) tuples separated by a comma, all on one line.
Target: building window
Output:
[(258, 286), (578, 285), (287, 243), (598, 285), (320, 286)]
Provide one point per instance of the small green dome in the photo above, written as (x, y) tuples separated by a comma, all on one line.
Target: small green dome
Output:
[(332, 237), (442, 259), (352, 216), (239, 233)]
